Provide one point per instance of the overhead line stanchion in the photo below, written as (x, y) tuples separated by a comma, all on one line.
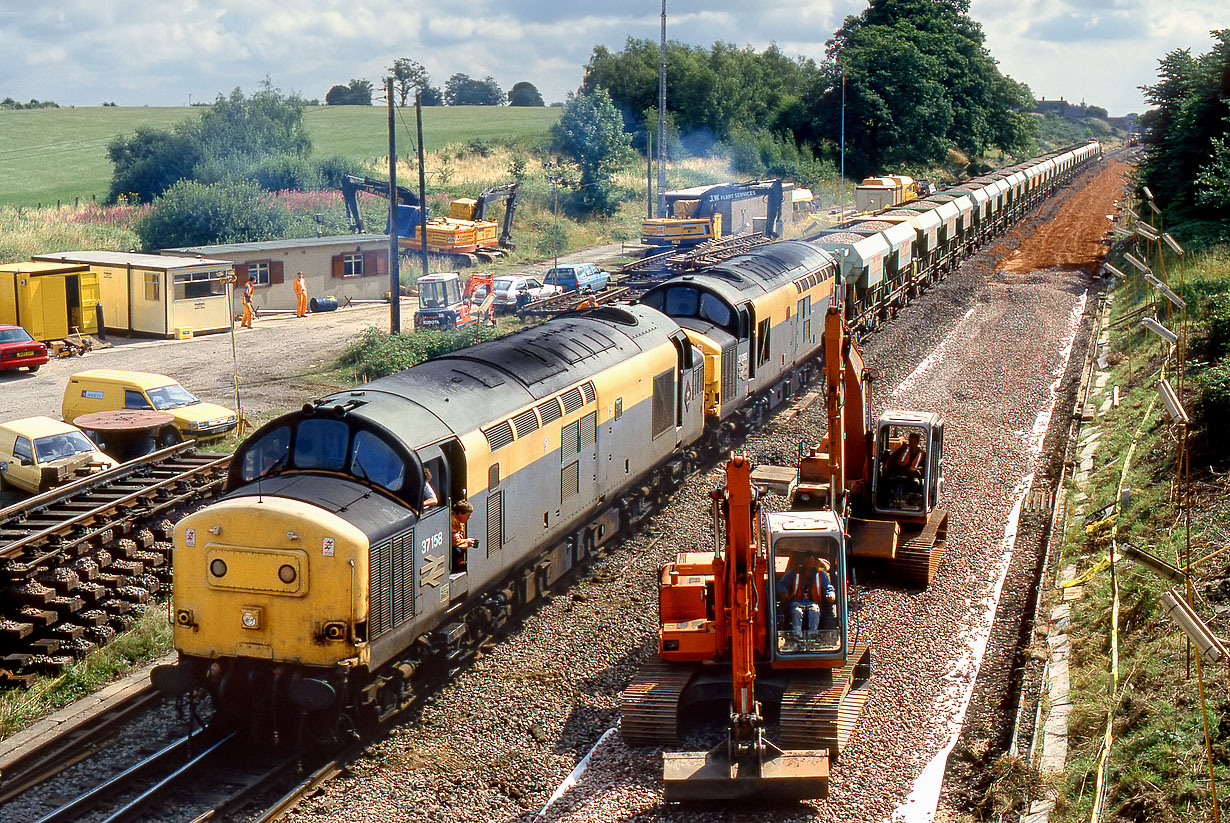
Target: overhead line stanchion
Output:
[(394, 260)]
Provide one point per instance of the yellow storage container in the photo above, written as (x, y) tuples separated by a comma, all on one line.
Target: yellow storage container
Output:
[(183, 332)]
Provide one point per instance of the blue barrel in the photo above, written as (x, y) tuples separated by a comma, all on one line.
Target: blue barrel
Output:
[(322, 304)]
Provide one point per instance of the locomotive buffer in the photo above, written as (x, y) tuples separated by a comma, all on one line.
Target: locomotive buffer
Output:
[(726, 633)]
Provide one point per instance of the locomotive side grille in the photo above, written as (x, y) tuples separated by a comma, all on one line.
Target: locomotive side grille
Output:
[(728, 375), (590, 393), (698, 383), (570, 444), (495, 522), (587, 435), (499, 435), (572, 400), (569, 482), (403, 576), (380, 601), (663, 403), (550, 411), (526, 422)]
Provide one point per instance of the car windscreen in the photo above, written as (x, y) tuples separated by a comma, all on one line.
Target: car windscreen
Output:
[(56, 446), (503, 286), (15, 336), (173, 396)]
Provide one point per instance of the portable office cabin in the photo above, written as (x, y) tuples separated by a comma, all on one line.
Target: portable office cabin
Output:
[(156, 295), (49, 300), (344, 266)]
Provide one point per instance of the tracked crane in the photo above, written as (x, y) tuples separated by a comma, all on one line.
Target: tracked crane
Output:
[(727, 639)]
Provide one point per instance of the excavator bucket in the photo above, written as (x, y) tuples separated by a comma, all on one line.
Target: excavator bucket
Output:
[(783, 776)]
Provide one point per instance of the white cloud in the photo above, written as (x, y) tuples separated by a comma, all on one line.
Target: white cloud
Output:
[(157, 53)]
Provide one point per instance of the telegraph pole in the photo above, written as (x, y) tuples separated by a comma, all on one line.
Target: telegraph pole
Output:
[(422, 181), (662, 119), (394, 260)]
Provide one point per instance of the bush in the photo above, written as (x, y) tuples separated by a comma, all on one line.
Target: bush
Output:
[(1213, 403), (331, 170), (1217, 317), (197, 214), (376, 353), (281, 172)]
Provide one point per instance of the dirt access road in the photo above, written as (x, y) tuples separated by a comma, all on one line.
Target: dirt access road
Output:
[(278, 359)]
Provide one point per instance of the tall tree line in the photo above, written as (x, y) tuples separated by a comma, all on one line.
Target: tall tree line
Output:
[(1187, 134), (917, 79)]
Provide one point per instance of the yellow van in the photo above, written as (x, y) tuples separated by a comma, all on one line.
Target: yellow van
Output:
[(111, 389), (39, 453)]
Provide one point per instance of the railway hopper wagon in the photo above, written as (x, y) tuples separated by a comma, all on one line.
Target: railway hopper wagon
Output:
[(307, 598)]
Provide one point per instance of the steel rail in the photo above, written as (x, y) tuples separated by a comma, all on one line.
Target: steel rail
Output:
[(10, 550)]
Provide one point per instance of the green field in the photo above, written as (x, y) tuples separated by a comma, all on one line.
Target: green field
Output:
[(50, 155)]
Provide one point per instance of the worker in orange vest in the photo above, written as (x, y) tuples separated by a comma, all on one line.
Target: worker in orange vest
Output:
[(301, 298), (247, 306)]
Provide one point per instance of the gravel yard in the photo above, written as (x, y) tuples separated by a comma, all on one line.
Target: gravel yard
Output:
[(989, 349)]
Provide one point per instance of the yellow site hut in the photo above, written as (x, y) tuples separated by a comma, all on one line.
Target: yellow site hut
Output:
[(158, 295), (49, 300)]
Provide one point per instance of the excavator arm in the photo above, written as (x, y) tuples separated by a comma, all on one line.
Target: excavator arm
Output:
[(353, 184), (496, 194)]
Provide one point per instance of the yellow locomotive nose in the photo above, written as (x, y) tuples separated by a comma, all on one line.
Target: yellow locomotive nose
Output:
[(269, 578)]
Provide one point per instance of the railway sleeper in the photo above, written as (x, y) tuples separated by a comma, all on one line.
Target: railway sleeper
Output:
[(66, 605), (12, 631), (39, 618)]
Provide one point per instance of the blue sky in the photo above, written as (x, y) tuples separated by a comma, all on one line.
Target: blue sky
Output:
[(140, 52)]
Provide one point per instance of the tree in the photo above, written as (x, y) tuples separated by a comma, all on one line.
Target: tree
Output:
[(590, 129), (463, 90), (432, 96), (409, 76), (917, 79), (356, 93), (524, 94), (231, 137), (196, 214), (1186, 132)]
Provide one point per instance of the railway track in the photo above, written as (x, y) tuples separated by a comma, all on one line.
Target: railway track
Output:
[(79, 563)]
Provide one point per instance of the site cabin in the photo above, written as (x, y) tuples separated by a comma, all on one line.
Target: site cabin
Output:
[(737, 216), (49, 300), (345, 267), (155, 295)]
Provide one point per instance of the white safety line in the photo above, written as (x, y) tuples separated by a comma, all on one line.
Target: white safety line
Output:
[(937, 354), (574, 776), (921, 804)]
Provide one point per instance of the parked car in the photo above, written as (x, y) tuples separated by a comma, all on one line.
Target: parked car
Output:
[(19, 350), (39, 453), (515, 290), (583, 277), (111, 389)]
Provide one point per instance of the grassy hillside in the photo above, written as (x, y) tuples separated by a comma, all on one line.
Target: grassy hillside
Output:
[(50, 155)]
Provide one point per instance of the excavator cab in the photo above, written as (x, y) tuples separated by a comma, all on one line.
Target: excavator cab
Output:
[(908, 472), (807, 598)]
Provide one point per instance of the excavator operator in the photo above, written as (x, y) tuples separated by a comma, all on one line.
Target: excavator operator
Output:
[(806, 585), (905, 471)]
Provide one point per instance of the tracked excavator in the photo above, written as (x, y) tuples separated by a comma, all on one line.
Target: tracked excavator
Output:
[(886, 480), (729, 637)]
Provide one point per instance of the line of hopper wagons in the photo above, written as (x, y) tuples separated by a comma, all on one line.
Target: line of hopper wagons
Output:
[(314, 592)]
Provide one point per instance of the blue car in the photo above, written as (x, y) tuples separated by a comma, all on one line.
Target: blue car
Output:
[(582, 277)]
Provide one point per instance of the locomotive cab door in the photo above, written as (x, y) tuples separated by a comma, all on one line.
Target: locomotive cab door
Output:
[(437, 573)]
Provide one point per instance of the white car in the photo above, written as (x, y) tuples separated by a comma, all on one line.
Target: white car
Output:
[(515, 290)]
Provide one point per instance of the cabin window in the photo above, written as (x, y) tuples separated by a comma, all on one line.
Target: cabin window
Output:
[(373, 459), (321, 444), (762, 342), (352, 265), (267, 455)]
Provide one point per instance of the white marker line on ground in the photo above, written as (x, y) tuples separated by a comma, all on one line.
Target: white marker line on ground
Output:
[(920, 806), (936, 355)]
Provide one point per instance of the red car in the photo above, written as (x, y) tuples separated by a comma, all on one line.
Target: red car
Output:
[(19, 350)]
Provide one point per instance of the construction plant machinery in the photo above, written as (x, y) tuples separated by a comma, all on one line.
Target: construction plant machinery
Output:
[(462, 239), (444, 304), (726, 637), (885, 481), (698, 220)]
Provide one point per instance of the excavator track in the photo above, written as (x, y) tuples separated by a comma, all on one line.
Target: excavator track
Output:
[(820, 710), (650, 704), (919, 556)]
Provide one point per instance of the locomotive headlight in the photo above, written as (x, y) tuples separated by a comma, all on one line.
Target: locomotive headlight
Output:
[(250, 618), (287, 574), (217, 567)]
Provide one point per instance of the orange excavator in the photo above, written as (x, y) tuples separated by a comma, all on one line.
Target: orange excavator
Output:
[(762, 623), (885, 481)]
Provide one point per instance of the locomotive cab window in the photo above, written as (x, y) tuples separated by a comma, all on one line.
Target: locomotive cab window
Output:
[(267, 455), (373, 459), (321, 444)]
